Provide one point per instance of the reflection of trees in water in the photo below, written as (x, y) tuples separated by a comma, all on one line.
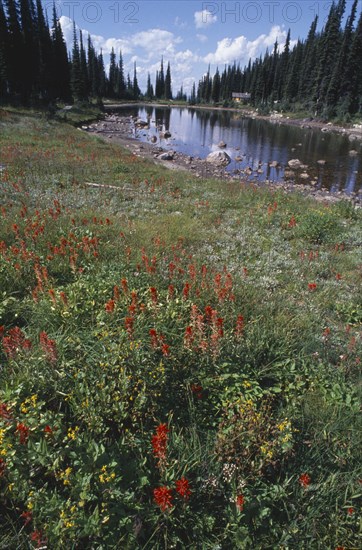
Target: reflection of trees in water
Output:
[(162, 116), (149, 111)]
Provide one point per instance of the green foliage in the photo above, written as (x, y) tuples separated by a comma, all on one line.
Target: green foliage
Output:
[(319, 226)]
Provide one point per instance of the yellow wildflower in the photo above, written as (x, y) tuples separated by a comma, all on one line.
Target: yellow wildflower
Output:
[(72, 433)]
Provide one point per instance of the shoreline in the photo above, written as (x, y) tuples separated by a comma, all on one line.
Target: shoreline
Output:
[(120, 129)]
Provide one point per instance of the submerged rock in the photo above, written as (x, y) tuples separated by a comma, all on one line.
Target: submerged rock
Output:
[(222, 144)]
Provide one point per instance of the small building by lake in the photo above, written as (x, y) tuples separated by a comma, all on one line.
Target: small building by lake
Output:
[(241, 97)]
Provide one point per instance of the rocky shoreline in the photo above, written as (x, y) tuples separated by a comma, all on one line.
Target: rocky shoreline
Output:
[(122, 130)]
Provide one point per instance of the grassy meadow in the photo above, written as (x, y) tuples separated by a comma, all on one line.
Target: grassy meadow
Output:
[(180, 359)]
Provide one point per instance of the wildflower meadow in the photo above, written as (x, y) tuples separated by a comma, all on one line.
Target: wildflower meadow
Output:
[(180, 358)]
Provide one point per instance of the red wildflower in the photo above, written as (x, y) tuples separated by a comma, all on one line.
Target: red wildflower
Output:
[(240, 500), (312, 286), (171, 269), (48, 430), (23, 433), (124, 284), (163, 498), (183, 488), (51, 293), (159, 441), (109, 307), (63, 297), (4, 411), (165, 349), (338, 276), (350, 511), (27, 517), (15, 341), (292, 222), (188, 338), (208, 312), (116, 293), (197, 390), (49, 347), (304, 480), (186, 290), (128, 323), (37, 536), (171, 291), (239, 325), (154, 338), (153, 292)]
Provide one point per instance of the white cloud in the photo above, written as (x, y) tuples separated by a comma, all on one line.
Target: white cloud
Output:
[(204, 18), (241, 49), (202, 37), (155, 40), (180, 23)]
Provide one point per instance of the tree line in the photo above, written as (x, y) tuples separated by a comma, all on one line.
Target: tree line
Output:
[(35, 64), (322, 74)]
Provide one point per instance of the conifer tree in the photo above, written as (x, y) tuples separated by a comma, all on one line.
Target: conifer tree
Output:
[(112, 76), (168, 89), (121, 83), (61, 72), (216, 86), (14, 48), (337, 85), (149, 89), (77, 81), (160, 82), (83, 67), (136, 92), (353, 76), (4, 38), (45, 54)]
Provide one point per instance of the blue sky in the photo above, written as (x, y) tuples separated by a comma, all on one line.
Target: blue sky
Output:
[(190, 34)]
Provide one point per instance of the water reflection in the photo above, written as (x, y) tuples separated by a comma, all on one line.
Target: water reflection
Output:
[(253, 144)]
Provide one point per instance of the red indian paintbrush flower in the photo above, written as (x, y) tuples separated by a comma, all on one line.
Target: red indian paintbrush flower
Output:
[(23, 433), (183, 488), (163, 498), (240, 500), (49, 347), (27, 517), (110, 305), (159, 441), (239, 325), (304, 480), (15, 341)]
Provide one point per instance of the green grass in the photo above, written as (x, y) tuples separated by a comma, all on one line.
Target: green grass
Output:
[(229, 312)]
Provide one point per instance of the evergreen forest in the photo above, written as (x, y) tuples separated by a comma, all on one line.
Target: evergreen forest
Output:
[(321, 74)]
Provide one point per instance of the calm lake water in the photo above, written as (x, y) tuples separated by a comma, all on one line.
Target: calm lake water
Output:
[(197, 132)]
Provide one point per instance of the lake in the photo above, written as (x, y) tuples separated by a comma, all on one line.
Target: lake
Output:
[(253, 144)]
